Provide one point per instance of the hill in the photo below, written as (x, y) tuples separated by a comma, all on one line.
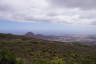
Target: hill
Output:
[(32, 49), (82, 39)]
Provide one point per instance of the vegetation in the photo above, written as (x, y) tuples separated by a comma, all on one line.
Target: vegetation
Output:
[(16, 49), (8, 57)]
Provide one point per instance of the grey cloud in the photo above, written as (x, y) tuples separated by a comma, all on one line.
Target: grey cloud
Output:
[(93, 22), (62, 11), (4, 8), (83, 4)]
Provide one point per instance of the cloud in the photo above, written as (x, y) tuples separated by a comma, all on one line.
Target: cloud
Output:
[(83, 4), (61, 11)]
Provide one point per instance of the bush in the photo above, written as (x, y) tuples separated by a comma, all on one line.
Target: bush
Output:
[(9, 57)]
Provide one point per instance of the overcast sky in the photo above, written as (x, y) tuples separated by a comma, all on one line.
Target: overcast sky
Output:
[(49, 16), (60, 11)]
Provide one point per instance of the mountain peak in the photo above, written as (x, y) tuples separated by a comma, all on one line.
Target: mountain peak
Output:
[(29, 34)]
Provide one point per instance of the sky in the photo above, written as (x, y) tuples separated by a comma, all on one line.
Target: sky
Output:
[(48, 16), (45, 28)]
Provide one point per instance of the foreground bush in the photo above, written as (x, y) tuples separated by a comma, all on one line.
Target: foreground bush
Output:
[(8, 57)]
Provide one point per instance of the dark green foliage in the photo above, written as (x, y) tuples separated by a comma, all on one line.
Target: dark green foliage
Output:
[(9, 57)]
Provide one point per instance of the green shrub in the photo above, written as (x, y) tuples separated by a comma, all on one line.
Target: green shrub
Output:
[(57, 60), (9, 57), (20, 61)]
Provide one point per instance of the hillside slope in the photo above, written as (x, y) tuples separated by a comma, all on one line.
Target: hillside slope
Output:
[(32, 49)]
